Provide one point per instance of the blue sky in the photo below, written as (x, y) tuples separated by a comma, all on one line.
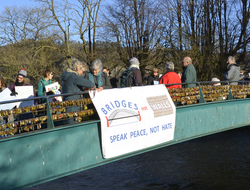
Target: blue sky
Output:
[(18, 3), (32, 3), (4, 3)]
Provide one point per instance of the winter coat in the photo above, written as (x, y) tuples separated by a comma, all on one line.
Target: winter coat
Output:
[(113, 82), (72, 82), (26, 83), (12, 87), (233, 74), (171, 77), (188, 76), (136, 77), (151, 79), (41, 88), (105, 80)]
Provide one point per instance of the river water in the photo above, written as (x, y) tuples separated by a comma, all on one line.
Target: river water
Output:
[(219, 161)]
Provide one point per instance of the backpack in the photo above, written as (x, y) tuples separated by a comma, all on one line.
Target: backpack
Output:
[(126, 78)]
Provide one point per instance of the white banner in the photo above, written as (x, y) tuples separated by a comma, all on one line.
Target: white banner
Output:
[(54, 87), (5, 96), (24, 92), (134, 118)]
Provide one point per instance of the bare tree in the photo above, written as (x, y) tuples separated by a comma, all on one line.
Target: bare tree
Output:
[(60, 14), (26, 41), (133, 25)]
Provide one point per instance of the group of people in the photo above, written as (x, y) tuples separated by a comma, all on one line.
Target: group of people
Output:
[(233, 74), (77, 79), (170, 76)]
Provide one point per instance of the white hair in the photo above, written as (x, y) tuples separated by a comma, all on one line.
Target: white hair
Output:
[(231, 58), (170, 66), (79, 64), (97, 65)]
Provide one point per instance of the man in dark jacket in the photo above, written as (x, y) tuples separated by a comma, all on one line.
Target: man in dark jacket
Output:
[(233, 73), (189, 73)]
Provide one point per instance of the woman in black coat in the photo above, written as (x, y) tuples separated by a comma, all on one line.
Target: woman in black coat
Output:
[(153, 77)]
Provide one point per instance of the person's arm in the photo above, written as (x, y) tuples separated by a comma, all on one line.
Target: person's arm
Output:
[(11, 87), (229, 75), (138, 78), (190, 76), (164, 79), (79, 81)]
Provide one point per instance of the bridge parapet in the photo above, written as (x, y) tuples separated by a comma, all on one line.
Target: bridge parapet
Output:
[(31, 158)]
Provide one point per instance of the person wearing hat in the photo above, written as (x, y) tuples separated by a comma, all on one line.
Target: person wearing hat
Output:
[(136, 75), (170, 77), (132, 76), (189, 73), (21, 80)]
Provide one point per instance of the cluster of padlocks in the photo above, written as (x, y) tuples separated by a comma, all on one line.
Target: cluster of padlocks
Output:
[(25, 119), (187, 96)]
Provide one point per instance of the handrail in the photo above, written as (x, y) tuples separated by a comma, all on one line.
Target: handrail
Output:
[(43, 97), (202, 82), (50, 123), (86, 92)]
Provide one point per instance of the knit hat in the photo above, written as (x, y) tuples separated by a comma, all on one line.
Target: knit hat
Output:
[(23, 72), (169, 65), (134, 61)]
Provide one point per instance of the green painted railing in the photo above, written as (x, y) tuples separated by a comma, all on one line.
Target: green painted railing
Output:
[(36, 157)]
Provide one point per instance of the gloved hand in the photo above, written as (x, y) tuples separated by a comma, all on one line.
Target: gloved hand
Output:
[(13, 93), (50, 93)]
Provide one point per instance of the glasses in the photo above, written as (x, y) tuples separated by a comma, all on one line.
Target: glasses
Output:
[(20, 77)]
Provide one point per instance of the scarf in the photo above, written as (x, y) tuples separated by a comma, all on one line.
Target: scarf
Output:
[(98, 78), (136, 66), (18, 83)]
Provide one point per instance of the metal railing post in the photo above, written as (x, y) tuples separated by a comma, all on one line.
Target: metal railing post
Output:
[(50, 123), (230, 95), (202, 100)]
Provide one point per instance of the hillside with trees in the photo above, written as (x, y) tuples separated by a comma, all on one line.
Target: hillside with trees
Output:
[(56, 32)]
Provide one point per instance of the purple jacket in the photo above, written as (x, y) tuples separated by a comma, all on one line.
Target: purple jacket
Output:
[(12, 86)]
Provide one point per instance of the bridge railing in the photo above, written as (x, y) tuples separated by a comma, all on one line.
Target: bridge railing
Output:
[(16, 120), (56, 114), (207, 91)]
